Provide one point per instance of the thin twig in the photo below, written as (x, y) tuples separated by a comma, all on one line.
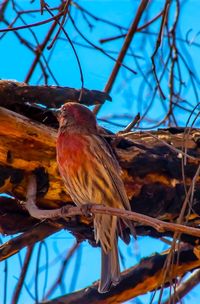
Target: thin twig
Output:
[(139, 29), (131, 125), (132, 30), (18, 288), (184, 288), (68, 211), (158, 42), (22, 27), (61, 272)]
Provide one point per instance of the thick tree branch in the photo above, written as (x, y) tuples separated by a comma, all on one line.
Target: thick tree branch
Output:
[(151, 168), (12, 92), (28, 238), (140, 279)]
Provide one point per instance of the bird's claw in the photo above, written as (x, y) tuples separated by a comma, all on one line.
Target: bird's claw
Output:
[(86, 210)]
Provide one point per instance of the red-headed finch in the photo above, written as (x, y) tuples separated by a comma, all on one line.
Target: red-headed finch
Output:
[(91, 174)]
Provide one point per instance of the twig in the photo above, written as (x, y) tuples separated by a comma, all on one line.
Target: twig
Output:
[(96, 47), (60, 275), (68, 211), (158, 42), (30, 237), (132, 30), (184, 288), (61, 27), (139, 29), (130, 126), (20, 283), (41, 48), (22, 27)]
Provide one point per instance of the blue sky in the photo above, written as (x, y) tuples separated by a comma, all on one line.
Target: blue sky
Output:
[(15, 63)]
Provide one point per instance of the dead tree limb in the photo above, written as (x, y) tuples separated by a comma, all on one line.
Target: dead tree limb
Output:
[(152, 171), (142, 278), (28, 238), (13, 92)]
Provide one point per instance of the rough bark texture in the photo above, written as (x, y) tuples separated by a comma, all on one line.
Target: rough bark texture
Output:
[(137, 280), (155, 172), (13, 92), (152, 171)]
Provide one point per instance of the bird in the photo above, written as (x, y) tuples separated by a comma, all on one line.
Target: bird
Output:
[(92, 175)]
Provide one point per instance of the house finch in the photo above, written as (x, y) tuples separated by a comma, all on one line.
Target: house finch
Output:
[(91, 174)]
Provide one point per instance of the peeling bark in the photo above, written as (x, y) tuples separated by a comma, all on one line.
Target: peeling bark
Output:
[(153, 178), (142, 278), (152, 171), (13, 92)]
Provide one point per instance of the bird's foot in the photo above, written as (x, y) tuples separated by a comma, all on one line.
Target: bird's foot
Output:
[(86, 210)]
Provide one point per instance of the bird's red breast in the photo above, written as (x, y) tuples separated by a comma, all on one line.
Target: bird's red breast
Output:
[(71, 150)]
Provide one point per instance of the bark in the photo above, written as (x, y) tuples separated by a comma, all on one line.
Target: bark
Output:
[(152, 174), (13, 92), (152, 171), (142, 278)]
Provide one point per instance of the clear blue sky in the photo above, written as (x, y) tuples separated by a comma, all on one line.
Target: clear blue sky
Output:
[(15, 63)]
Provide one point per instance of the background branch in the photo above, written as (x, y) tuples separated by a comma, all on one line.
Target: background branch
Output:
[(142, 278)]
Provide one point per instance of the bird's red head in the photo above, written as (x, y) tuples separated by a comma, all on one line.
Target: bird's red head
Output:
[(76, 115)]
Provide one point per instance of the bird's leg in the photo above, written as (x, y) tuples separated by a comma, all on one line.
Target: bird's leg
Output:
[(65, 210)]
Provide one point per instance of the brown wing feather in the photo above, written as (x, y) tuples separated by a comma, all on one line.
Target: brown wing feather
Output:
[(108, 160), (98, 180), (110, 163)]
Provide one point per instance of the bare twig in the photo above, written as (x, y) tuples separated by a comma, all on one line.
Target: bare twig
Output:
[(68, 211), (40, 49), (60, 276), (132, 30), (8, 29), (20, 283), (185, 287), (158, 42), (139, 29), (131, 125), (30, 237)]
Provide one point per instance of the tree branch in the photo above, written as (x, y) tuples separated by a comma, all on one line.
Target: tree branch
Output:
[(140, 279), (151, 170), (12, 92), (67, 211), (130, 34), (185, 287)]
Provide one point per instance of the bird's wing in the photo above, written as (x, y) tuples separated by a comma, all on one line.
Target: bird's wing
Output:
[(107, 159)]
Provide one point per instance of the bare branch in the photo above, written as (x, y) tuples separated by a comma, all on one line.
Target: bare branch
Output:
[(20, 282), (132, 30), (185, 287), (67, 211)]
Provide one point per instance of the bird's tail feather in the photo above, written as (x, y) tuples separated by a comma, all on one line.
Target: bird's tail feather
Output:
[(110, 270)]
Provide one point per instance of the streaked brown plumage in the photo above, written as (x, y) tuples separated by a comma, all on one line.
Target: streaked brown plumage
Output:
[(91, 174)]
